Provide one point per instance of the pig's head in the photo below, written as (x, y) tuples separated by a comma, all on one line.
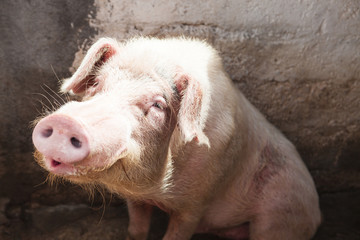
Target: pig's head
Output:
[(133, 107)]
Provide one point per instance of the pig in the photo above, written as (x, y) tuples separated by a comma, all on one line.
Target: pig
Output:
[(159, 123)]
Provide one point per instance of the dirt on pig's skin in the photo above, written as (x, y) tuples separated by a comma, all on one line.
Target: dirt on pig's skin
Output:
[(159, 123)]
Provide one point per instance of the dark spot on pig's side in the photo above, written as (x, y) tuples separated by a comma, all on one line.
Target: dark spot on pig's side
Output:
[(270, 161), (75, 142)]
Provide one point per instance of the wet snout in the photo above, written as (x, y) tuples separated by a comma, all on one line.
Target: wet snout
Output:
[(61, 139)]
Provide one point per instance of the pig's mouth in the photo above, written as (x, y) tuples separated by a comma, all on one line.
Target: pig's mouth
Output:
[(55, 166), (65, 169), (60, 168), (55, 163)]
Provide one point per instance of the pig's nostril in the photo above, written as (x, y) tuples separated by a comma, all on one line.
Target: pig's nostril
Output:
[(75, 142), (47, 132)]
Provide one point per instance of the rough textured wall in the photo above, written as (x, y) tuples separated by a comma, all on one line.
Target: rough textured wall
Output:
[(298, 61)]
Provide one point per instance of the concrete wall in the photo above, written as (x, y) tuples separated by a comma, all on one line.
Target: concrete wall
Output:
[(298, 61)]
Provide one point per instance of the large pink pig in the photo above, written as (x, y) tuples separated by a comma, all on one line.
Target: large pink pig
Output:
[(161, 124)]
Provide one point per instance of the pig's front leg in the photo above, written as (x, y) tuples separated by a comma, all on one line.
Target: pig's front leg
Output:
[(139, 220), (181, 226)]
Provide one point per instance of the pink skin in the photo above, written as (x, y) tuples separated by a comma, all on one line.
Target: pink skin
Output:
[(160, 124), (63, 141)]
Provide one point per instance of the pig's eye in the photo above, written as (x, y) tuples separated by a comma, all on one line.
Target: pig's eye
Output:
[(158, 105)]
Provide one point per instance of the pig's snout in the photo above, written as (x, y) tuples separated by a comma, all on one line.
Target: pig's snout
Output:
[(61, 139)]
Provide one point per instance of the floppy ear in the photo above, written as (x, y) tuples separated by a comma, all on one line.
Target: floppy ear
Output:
[(84, 77), (193, 110)]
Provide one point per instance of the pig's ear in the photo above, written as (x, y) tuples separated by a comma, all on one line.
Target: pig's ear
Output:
[(193, 109), (96, 56)]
